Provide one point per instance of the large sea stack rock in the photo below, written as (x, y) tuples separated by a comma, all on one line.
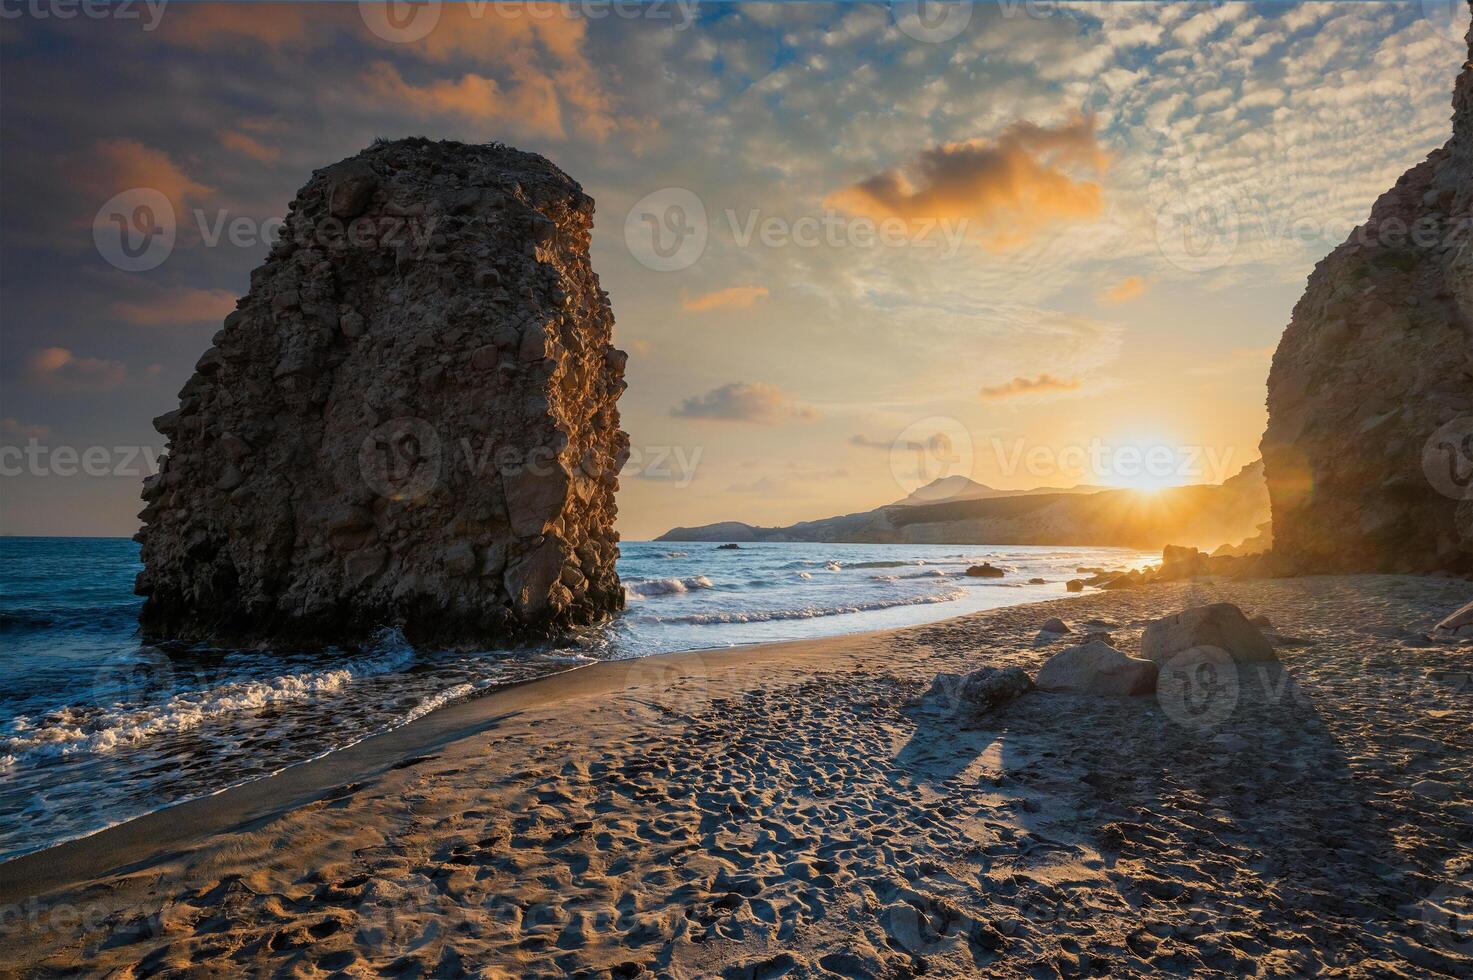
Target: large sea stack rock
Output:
[(1369, 446), (409, 420)]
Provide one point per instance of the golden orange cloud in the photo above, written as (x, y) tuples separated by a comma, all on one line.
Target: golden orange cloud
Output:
[(123, 164), (539, 46), (57, 367), (15, 427), (177, 308), (1005, 190), (532, 102), (1125, 290), (736, 297), (250, 146), (1028, 386), (209, 25)]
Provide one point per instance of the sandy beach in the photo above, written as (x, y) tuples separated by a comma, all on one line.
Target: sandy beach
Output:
[(803, 809)]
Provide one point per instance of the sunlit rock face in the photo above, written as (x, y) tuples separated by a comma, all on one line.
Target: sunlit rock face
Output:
[(1369, 446), (408, 421)]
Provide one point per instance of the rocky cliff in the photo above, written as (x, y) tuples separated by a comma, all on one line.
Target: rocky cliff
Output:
[(409, 419), (1369, 446)]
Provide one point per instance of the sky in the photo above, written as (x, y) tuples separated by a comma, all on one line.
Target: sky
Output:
[(850, 247)]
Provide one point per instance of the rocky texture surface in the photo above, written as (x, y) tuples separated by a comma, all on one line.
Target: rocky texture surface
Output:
[(1369, 446), (1221, 625), (1096, 668), (981, 691), (409, 420)]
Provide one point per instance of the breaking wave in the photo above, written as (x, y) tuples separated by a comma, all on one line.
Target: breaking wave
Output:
[(99, 729), (811, 612), (647, 588)]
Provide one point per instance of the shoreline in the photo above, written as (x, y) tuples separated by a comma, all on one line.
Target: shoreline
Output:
[(892, 615), (805, 806), (366, 758)]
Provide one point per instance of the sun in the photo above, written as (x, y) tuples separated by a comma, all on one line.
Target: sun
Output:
[(1146, 464)]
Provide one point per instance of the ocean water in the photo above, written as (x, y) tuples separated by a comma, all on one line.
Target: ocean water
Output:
[(97, 728)]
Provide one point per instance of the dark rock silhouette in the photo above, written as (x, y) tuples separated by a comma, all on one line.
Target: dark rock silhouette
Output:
[(409, 420), (1369, 446)]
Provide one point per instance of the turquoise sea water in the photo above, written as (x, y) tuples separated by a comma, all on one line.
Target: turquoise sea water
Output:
[(97, 728)]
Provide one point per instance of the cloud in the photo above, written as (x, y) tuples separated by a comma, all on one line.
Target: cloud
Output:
[(1006, 190), (225, 25), (249, 146), (767, 486), (122, 164), (759, 403), (177, 307), (59, 368), (737, 297), (1125, 290), (531, 101), (14, 427), (865, 442), (1028, 386)]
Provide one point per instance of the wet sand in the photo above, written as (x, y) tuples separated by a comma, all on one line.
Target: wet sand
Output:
[(802, 809)]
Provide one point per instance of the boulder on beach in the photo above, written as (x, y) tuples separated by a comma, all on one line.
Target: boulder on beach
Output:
[(1096, 668), (982, 690), (1221, 624), (1459, 619), (409, 420), (1074, 585), (1054, 625), (1181, 563), (985, 570)]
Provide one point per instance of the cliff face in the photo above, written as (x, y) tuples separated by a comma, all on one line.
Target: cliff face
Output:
[(409, 420), (1369, 446)]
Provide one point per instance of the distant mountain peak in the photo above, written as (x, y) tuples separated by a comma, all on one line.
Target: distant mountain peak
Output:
[(948, 488)]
